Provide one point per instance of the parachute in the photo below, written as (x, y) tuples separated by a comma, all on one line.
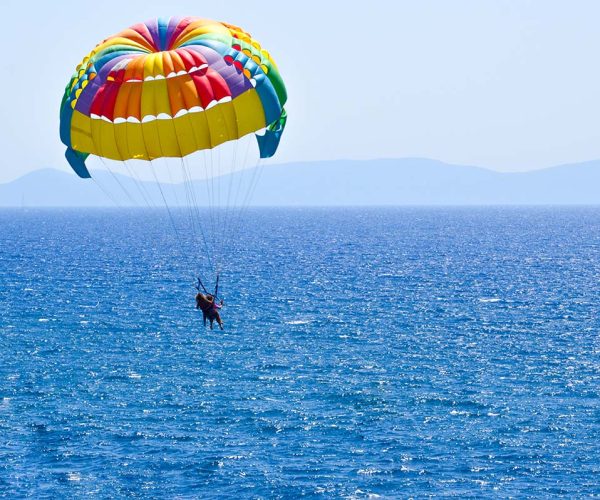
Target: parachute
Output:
[(167, 89)]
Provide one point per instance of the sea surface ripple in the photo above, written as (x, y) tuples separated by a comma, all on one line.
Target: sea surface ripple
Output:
[(366, 352)]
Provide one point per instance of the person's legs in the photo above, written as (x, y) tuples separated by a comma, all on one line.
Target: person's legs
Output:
[(218, 318)]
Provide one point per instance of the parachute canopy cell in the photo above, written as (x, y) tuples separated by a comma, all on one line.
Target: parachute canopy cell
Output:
[(168, 88)]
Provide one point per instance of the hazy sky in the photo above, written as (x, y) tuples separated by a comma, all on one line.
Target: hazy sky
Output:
[(510, 85)]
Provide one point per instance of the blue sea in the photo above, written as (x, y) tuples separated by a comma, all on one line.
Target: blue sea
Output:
[(366, 353)]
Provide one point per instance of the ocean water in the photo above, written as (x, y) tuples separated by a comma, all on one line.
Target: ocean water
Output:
[(366, 352)]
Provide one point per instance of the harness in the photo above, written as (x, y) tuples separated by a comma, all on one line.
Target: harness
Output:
[(201, 285)]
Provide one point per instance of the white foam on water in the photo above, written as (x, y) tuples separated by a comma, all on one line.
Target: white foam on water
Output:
[(369, 471)]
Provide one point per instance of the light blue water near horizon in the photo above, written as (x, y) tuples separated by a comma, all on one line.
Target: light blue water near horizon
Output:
[(391, 352)]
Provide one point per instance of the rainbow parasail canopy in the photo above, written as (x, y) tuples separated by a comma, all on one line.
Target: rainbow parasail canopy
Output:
[(168, 88)]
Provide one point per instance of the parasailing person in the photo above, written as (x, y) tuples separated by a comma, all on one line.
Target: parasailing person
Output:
[(164, 90)]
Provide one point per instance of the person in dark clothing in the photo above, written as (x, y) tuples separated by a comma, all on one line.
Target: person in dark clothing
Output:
[(207, 303)]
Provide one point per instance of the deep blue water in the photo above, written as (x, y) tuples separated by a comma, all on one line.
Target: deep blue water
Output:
[(390, 352)]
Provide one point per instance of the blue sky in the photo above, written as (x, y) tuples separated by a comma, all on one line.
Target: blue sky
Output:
[(510, 85)]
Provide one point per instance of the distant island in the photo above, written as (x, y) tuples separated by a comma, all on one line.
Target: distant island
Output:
[(408, 181)]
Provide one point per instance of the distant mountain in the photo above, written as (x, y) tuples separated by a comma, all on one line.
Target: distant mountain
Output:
[(409, 181)]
